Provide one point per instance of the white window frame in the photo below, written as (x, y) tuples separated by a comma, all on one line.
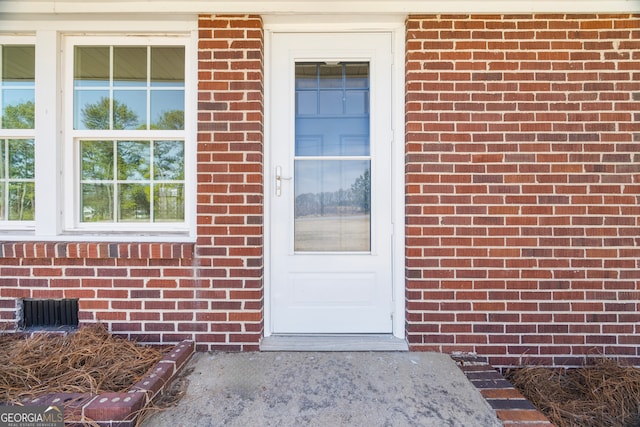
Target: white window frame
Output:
[(19, 227), (71, 181), (54, 164)]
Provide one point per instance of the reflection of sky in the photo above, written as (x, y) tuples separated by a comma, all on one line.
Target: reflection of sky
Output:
[(335, 136), (81, 100), (17, 96), (317, 176), (136, 101), (163, 101)]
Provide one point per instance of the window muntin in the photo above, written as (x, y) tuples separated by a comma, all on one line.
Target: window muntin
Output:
[(137, 180), (17, 142)]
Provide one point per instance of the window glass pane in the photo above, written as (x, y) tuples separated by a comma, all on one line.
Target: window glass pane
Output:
[(356, 102), (332, 205), (17, 88), (167, 109), (134, 160), (129, 109), (306, 103), (97, 160), (168, 202), (18, 65), (341, 125), (2, 158), (91, 109), (331, 76), (306, 76), (358, 75), (17, 184), (3, 179), (167, 66), (21, 201), (19, 179), (168, 160), (3, 185), (18, 110), (134, 203), (97, 203), (331, 102), (21, 159), (129, 66), (92, 65)]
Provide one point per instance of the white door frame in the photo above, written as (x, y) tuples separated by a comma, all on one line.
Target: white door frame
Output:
[(394, 25)]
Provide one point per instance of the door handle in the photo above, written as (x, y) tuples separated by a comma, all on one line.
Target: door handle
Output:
[(279, 179)]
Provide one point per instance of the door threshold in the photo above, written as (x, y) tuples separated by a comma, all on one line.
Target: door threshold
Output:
[(369, 342)]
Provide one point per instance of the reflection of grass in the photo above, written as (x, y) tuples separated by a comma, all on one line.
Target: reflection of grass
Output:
[(334, 233)]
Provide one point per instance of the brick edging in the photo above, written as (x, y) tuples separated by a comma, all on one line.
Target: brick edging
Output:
[(511, 407), (120, 409)]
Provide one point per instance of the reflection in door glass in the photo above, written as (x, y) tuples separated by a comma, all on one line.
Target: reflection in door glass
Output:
[(332, 158), (332, 205)]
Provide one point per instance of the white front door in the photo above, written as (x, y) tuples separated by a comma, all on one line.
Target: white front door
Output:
[(330, 183)]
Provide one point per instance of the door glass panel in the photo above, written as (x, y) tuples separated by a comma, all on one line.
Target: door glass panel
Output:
[(332, 158), (332, 205)]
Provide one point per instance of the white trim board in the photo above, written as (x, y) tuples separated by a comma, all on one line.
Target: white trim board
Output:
[(62, 7)]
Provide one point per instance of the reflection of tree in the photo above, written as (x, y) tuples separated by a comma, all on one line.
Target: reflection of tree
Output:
[(134, 202), (21, 116), (20, 153), (96, 116), (170, 120), (97, 165), (97, 157), (356, 199), (21, 167), (168, 161), (361, 191), (133, 163)]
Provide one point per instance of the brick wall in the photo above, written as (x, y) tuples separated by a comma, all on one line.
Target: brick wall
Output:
[(523, 199), (138, 290), (523, 186), (230, 191), (210, 292)]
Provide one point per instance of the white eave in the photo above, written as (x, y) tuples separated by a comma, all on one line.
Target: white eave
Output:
[(269, 7)]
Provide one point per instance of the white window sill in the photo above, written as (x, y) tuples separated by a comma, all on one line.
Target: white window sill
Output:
[(124, 236)]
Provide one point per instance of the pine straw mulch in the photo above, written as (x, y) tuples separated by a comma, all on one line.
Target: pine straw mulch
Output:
[(90, 360), (603, 393)]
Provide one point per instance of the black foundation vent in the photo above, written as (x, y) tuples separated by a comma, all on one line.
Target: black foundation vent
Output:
[(50, 312)]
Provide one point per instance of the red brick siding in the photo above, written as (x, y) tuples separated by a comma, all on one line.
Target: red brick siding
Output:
[(116, 283), (523, 170), (210, 292), (523, 186), (230, 173)]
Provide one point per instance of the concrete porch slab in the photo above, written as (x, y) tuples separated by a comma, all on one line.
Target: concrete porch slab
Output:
[(327, 389)]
